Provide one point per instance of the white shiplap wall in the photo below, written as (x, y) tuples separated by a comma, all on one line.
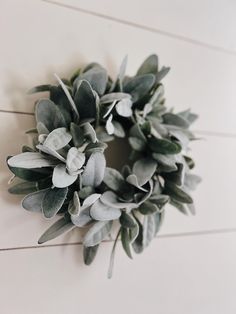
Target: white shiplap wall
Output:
[(190, 269)]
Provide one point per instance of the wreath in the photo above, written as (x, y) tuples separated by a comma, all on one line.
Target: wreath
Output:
[(64, 173)]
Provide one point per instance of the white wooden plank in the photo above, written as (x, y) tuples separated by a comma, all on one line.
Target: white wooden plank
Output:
[(214, 197), (183, 275), (210, 22), (200, 78)]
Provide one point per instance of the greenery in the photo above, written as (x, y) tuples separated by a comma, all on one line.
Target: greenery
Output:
[(64, 173)]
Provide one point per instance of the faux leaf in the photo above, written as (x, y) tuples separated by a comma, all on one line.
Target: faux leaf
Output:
[(110, 199), (174, 119), (139, 86), (110, 98), (94, 170), (53, 201), (177, 194), (97, 233), (57, 139), (103, 212), (144, 169), (109, 125), (61, 178), (47, 113), (113, 179), (74, 206), (30, 160), (150, 65), (127, 220), (149, 229), (168, 162), (147, 208), (123, 108), (23, 188), (164, 146), (77, 134), (85, 101), (75, 160), (33, 201), (89, 254), (97, 77), (125, 240), (58, 228)]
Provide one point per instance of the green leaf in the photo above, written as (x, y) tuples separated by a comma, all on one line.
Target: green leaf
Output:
[(30, 160), (85, 101), (97, 77), (77, 134), (57, 139), (112, 257), (68, 95), (138, 242), (33, 201), (40, 88), (159, 200), (174, 119), (97, 233), (74, 205), (164, 146), (137, 144), (136, 131), (189, 116), (168, 162), (110, 199), (162, 73), (58, 228), (31, 175), (158, 217), (144, 169), (89, 254), (103, 212), (74, 161), (109, 125), (83, 219), (61, 178), (47, 113), (181, 207), (191, 181), (125, 240), (123, 108), (53, 201), (113, 179), (177, 194), (110, 98), (139, 86), (86, 191), (127, 220), (89, 132), (177, 177), (133, 180), (147, 208), (94, 170), (118, 129), (150, 65), (23, 188), (149, 229), (51, 152)]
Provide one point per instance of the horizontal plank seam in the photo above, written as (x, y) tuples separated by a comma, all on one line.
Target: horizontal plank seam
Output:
[(201, 132), (163, 236), (144, 27)]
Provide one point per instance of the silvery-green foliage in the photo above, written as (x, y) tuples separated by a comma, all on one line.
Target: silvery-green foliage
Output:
[(64, 173)]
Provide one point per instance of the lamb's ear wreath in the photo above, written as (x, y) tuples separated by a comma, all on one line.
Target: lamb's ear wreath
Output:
[(64, 173)]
